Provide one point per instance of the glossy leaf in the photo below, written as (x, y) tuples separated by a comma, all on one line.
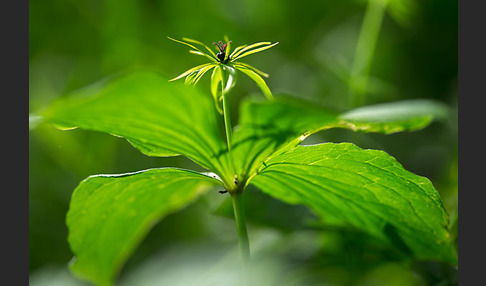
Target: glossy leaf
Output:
[(158, 117), (109, 215), (366, 190), (267, 127), (394, 116)]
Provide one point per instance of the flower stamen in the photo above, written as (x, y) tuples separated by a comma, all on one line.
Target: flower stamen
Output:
[(222, 50)]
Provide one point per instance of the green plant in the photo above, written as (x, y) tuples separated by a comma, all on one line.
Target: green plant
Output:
[(342, 184)]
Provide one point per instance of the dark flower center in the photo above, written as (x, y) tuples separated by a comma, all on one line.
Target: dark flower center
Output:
[(222, 47)]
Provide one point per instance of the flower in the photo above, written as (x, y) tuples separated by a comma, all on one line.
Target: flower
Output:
[(224, 65)]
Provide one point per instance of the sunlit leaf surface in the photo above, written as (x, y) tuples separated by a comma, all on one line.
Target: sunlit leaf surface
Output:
[(158, 117), (266, 127), (367, 190), (395, 116), (109, 215)]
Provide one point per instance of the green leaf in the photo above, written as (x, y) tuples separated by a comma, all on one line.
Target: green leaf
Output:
[(366, 190), (158, 117), (394, 117), (109, 215), (266, 128)]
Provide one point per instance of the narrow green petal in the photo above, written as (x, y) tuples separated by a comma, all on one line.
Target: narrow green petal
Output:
[(200, 43), (258, 80), (215, 87), (201, 54), (228, 47), (190, 78), (236, 50), (189, 71), (242, 53), (252, 68), (193, 47), (246, 48), (229, 76), (201, 72)]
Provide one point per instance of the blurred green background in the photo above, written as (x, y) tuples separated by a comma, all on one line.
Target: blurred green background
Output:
[(75, 43)]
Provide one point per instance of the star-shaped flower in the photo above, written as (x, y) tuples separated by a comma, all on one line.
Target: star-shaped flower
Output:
[(224, 65)]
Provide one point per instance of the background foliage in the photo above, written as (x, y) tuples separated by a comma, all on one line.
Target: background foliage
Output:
[(74, 43)]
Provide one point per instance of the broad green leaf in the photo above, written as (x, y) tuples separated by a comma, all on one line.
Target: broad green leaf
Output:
[(367, 190), (158, 117), (267, 127), (394, 117), (109, 215)]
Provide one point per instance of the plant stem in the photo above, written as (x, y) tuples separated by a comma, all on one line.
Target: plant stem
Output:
[(226, 114), (368, 36), (235, 192), (243, 241), (227, 120)]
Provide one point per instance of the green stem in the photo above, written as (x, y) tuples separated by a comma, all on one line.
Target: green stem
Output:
[(226, 115), (227, 120), (365, 48), (235, 192), (243, 241)]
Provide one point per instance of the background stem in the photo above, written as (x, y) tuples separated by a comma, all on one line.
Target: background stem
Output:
[(365, 48)]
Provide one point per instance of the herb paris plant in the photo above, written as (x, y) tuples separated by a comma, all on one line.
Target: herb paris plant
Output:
[(344, 185)]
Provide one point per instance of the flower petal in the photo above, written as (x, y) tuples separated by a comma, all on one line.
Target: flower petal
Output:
[(251, 68), (189, 71), (216, 87), (236, 50), (258, 80), (248, 50), (201, 72), (200, 43), (211, 57)]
